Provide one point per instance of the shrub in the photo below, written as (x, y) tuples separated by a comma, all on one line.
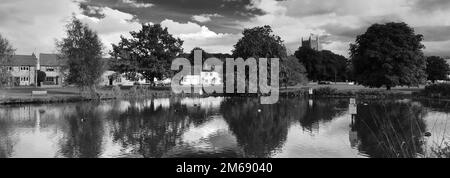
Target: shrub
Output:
[(442, 90), (371, 93), (325, 91), (41, 75)]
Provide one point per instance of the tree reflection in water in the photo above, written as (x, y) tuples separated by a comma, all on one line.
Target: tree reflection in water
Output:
[(232, 127), (322, 110), (6, 142), (391, 129), (83, 132), (261, 129), (151, 132)]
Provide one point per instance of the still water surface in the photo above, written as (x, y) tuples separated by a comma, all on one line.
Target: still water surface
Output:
[(224, 127)]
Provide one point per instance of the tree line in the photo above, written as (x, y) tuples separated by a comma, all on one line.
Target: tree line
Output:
[(386, 55)]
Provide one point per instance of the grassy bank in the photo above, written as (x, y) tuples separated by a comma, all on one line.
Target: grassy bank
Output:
[(435, 91), (330, 92), (56, 95), (70, 94)]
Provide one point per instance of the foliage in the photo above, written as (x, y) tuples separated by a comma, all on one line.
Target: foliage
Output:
[(323, 65), (388, 55), (149, 52), (325, 91), (41, 75), (442, 90), (6, 52), (437, 68), (292, 72), (83, 49), (259, 42), (205, 55)]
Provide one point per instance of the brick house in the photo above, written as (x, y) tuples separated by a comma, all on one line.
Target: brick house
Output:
[(23, 70)]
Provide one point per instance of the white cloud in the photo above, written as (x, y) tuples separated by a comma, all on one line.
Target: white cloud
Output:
[(293, 19), (195, 35), (33, 25), (114, 24), (202, 18), (135, 4)]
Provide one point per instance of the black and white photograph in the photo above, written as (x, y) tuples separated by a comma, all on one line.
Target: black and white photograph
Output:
[(202, 79)]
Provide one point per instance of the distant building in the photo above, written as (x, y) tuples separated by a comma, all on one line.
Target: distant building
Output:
[(205, 79), (52, 65), (112, 78), (23, 70), (312, 43)]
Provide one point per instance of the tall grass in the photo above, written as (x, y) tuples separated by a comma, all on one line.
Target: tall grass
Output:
[(397, 129), (391, 129)]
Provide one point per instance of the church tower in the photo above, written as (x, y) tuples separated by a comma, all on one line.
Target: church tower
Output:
[(312, 43)]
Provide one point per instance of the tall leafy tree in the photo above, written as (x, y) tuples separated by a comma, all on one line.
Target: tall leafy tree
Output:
[(388, 55), (83, 50), (259, 42), (148, 53), (323, 65), (6, 52), (205, 55), (292, 72), (437, 68), (311, 60)]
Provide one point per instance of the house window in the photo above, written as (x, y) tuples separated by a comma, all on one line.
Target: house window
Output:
[(24, 79), (24, 68), (49, 69), (49, 79), (9, 68)]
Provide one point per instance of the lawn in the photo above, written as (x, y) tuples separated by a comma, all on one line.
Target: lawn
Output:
[(347, 87), (21, 92)]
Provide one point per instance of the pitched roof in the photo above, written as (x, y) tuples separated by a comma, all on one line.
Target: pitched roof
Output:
[(21, 60), (51, 60)]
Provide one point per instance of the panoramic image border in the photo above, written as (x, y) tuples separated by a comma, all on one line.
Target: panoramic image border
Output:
[(204, 79)]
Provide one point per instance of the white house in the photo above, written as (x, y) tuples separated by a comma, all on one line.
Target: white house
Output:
[(119, 80), (205, 79), (22, 69)]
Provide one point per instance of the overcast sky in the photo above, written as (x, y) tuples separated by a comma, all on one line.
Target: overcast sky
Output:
[(216, 25)]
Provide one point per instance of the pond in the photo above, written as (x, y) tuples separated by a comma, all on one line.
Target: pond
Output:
[(225, 128)]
